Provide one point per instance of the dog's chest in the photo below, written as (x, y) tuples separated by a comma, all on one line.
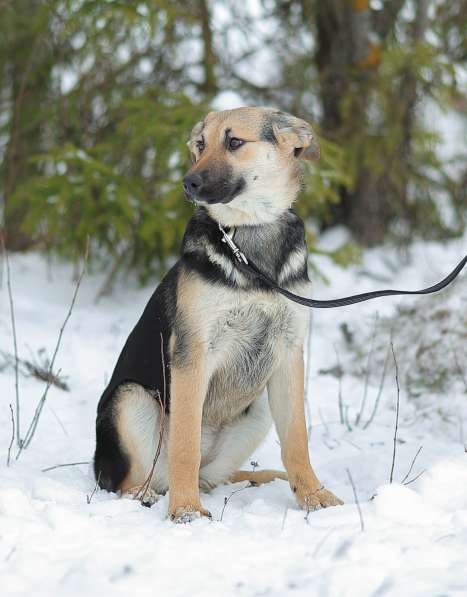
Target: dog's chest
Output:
[(246, 338)]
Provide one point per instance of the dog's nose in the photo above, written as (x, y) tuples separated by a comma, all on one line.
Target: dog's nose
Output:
[(192, 183)]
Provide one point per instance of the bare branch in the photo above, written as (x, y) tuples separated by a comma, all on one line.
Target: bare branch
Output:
[(15, 342), (12, 436), (416, 477), (397, 415), (89, 497), (284, 517), (227, 499), (33, 425), (367, 372), (412, 465), (51, 468), (35, 369), (162, 403), (380, 390), (357, 503), (340, 400), (308, 371)]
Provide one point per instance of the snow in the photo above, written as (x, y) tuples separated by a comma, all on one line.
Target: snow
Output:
[(53, 542)]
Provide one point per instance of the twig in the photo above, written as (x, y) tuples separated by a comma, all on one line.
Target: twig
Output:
[(284, 517), (146, 485), (397, 415), (412, 465), (15, 342), (141, 494), (340, 400), (57, 418), (89, 497), (308, 371), (416, 477), (367, 373), (35, 369), (33, 425), (227, 499), (346, 418), (12, 436), (362, 524), (51, 468), (380, 390)]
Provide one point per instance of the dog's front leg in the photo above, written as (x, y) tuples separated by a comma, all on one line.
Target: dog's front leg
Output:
[(286, 399), (187, 393)]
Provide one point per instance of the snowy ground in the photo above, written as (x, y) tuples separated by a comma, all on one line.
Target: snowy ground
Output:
[(53, 542)]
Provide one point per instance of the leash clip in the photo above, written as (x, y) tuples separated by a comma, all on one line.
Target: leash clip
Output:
[(233, 247)]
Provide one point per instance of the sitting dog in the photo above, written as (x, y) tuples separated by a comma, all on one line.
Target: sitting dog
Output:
[(186, 405)]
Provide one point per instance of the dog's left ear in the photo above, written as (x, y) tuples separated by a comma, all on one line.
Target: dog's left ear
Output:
[(195, 132), (297, 134)]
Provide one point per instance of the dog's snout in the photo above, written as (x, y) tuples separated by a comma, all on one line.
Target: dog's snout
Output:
[(192, 183)]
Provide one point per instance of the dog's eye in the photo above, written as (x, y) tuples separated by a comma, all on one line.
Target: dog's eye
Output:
[(235, 143), (200, 145)]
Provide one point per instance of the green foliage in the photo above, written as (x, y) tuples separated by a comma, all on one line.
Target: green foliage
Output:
[(107, 146), (97, 98), (123, 192)]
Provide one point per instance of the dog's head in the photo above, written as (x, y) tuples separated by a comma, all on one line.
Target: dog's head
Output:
[(246, 163)]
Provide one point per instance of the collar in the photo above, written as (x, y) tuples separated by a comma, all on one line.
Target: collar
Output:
[(228, 239)]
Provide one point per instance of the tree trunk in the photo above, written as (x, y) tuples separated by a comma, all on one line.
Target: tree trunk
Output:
[(347, 58), (27, 84)]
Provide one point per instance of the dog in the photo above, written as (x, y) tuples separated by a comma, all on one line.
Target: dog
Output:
[(216, 352)]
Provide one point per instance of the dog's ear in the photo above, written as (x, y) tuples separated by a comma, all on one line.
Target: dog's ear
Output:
[(195, 132), (297, 134)]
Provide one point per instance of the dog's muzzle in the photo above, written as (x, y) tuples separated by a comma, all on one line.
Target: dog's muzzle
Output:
[(200, 187), (192, 184)]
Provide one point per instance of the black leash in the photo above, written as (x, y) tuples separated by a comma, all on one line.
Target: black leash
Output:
[(249, 267)]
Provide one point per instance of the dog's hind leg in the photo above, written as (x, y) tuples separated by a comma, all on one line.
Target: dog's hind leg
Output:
[(258, 477), (236, 443), (128, 435)]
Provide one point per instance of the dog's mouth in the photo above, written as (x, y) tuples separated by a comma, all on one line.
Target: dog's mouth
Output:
[(216, 193)]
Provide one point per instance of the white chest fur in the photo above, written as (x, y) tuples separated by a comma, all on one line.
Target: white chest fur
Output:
[(246, 334)]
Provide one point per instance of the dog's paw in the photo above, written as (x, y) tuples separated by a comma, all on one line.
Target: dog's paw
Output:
[(320, 498), (148, 497), (207, 483), (185, 514)]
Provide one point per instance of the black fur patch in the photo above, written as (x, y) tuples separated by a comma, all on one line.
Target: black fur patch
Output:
[(110, 462), (267, 131), (267, 245)]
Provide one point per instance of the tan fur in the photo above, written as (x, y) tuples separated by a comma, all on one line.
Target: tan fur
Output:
[(188, 390), (258, 477), (286, 395), (257, 155)]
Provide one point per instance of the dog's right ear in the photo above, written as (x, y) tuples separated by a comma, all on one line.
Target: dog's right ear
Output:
[(297, 134)]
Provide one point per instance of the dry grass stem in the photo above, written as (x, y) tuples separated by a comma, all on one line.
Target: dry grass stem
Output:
[(162, 403), (8, 460), (51, 468), (35, 420), (15, 341), (396, 427), (367, 372), (357, 503)]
